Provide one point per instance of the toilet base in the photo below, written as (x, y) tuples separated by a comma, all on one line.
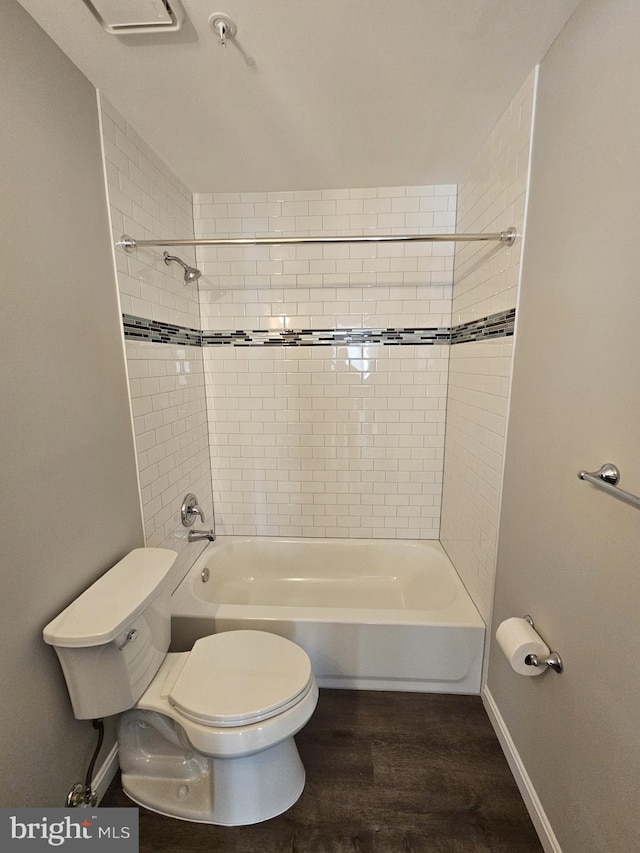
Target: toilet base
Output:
[(224, 791)]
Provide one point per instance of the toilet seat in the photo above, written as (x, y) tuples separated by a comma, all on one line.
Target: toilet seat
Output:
[(237, 678)]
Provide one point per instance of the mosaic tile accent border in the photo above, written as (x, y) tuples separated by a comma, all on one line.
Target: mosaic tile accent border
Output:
[(501, 325), (140, 329), (328, 337), (495, 326)]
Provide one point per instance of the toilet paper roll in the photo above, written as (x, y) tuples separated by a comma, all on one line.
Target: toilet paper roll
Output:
[(517, 639)]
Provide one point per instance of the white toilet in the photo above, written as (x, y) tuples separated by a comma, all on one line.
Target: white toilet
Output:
[(207, 735)]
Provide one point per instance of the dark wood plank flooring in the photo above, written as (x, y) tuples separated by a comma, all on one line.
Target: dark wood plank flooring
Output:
[(386, 773)]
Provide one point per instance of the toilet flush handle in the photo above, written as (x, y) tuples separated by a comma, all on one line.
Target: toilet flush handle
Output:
[(129, 637)]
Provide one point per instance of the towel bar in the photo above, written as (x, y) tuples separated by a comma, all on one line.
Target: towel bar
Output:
[(607, 478)]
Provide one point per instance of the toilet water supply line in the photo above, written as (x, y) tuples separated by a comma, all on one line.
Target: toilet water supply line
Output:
[(84, 795)]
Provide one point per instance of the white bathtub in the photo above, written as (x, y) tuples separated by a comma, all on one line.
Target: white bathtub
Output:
[(371, 614)]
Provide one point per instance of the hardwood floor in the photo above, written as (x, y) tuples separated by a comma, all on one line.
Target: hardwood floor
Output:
[(386, 773)]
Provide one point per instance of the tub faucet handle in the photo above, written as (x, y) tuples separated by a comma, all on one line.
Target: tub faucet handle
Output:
[(196, 510), (190, 510)]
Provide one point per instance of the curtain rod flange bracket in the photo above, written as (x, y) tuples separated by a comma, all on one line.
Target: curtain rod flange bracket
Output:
[(509, 236), (127, 243)]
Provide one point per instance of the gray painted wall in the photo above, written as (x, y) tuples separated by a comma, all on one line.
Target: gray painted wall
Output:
[(569, 554), (69, 504)]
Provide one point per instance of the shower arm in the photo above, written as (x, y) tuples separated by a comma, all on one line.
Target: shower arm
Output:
[(507, 238)]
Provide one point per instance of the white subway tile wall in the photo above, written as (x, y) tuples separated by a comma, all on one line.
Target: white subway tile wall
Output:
[(166, 382), (333, 285), (172, 439), (491, 197), (147, 201), (327, 440), (476, 427)]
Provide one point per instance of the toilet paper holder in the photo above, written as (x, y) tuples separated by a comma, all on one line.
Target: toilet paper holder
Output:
[(553, 660)]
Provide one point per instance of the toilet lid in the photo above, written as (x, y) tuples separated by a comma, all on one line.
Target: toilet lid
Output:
[(241, 677)]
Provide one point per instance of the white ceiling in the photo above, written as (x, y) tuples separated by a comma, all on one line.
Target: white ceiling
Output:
[(338, 93)]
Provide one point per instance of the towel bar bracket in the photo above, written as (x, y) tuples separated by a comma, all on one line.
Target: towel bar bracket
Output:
[(608, 472), (607, 478)]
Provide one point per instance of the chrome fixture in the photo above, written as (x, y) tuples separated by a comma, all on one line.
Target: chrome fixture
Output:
[(80, 796), (223, 26), (191, 274), (607, 478), (553, 659), (189, 511), (200, 535), (507, 238)]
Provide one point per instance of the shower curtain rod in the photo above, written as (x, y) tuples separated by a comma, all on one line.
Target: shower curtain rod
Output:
[(507, 237)]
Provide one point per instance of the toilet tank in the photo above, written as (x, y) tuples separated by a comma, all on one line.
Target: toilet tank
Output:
[(112, 639)]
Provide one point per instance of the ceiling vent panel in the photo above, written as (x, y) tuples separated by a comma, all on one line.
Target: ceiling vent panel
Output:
[(137, 16)]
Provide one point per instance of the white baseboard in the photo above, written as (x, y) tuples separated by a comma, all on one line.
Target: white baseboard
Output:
[(107, 770), (525, 786)]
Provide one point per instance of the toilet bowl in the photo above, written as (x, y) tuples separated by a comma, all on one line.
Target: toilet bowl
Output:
[(205, 735), (231, 707)]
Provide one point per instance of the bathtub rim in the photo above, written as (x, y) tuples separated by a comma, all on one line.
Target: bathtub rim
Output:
[(461, 612)]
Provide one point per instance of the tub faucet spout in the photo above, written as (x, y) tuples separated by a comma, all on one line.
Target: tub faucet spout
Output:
[(199, 535)]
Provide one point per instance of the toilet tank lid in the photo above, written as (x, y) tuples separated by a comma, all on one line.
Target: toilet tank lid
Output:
[(105, 609)]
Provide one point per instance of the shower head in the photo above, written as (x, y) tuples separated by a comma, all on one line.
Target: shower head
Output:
[(191, 274)]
